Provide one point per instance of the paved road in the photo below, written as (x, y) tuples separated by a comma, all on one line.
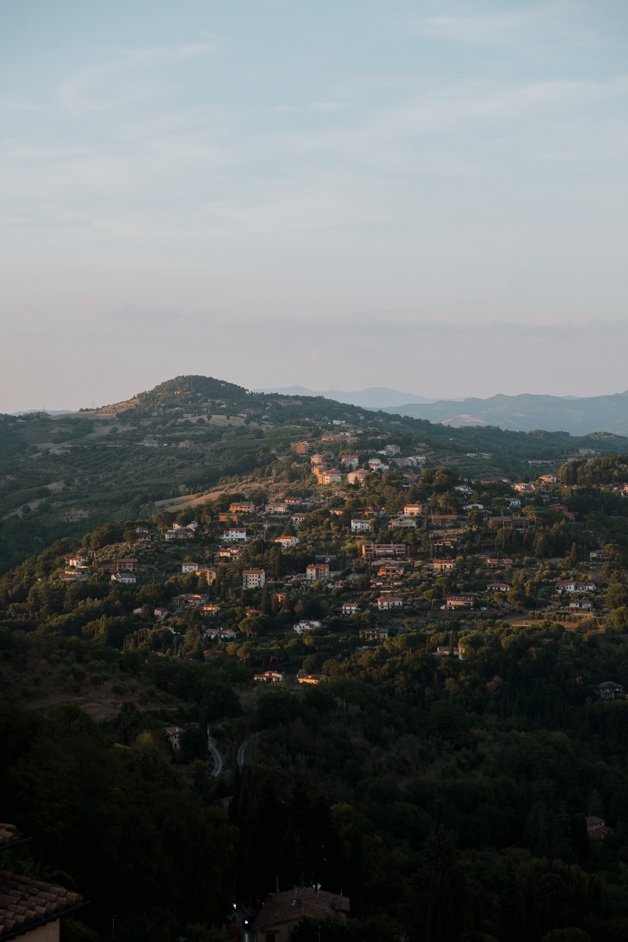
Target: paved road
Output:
[(215, 756), (241, 754)]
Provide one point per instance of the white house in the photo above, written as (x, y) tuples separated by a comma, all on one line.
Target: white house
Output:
[(387, 603), (277, 507), (306, 625), (402, 523), (234, 535), (77, 562), (229, 552), (268, 677), (359, 525), (253, 579), (124, 578), (573, 587), (456, 602), (178, 533), (350, 608), (190, 567)]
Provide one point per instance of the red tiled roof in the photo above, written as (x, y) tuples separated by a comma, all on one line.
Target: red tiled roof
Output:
[(26, 903), (293, 905)]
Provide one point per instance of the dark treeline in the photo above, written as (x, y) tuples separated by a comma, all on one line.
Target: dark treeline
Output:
[(447, 798)]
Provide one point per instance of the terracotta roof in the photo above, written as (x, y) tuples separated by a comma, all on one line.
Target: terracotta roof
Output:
[(26, 904), (299, 903)]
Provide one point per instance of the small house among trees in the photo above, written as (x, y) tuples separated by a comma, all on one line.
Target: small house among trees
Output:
[(609, 690), (281, 912)]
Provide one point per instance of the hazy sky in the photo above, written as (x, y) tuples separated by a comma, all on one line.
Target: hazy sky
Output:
[(426, 195)]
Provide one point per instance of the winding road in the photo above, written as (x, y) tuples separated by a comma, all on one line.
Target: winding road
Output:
[(216, 756)]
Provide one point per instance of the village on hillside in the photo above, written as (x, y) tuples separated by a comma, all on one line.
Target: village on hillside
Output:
[(354, 547), (278, 644)]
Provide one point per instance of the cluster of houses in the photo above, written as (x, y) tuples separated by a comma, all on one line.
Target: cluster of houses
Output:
[(388, 557), (388, 563), (338, 466), (278, 677), (79, 567)]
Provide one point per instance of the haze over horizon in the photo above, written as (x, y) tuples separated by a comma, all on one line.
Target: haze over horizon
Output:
[(430, 197), (366, 397)]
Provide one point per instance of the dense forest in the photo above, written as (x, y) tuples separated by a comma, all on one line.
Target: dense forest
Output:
[(444, 797)]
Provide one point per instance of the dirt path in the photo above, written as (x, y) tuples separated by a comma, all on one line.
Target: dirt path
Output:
[(195, 500)]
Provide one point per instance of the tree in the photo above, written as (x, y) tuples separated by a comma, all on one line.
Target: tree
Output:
[(442, 889), (616, 594), (193, 744), (567, 935)]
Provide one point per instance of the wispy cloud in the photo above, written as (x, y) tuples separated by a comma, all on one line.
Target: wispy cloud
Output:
[(412, 129), (128, 77), (480, 29), (203, 168), (16, 106), (572, 22)]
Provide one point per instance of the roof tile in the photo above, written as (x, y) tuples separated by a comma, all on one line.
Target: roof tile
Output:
[(25, 902)]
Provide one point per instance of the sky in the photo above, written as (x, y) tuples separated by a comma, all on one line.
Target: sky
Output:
[(430, 195)]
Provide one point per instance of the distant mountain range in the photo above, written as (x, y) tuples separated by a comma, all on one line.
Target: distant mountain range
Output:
[(375, 397), (524, 413), (56, 411), (527, 413)]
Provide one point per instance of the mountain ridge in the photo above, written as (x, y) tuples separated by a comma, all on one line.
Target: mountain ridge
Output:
[(524, 412), (371, 397), (527, 412), (577, 415)]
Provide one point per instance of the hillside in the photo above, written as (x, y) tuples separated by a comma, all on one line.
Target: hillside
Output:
[(329, 682), (62, 475)]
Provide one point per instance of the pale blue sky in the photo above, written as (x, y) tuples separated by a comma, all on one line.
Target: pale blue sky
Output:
[(426, 195)]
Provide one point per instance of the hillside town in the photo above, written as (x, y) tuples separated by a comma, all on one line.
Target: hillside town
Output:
[(308, 662), (361, 547)]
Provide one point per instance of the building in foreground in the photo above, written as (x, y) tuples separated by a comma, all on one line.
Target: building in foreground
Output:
[(31, 910), (281, 912)]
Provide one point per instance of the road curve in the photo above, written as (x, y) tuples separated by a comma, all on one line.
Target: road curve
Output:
[(241, 754), (216, 757)]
